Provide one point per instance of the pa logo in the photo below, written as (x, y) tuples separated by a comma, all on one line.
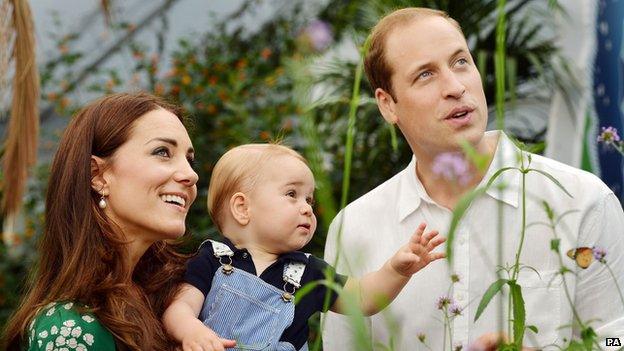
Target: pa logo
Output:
[(613, 342)]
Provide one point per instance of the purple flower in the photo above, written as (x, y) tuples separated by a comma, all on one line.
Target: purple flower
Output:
[(608, 135), (599, 253), (443, 301), (319, 34), (455, 310), (452, 166)]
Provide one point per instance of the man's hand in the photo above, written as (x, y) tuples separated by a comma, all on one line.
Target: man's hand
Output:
[(416, 254), (201, 338)]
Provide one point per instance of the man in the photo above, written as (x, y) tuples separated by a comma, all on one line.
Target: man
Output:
[(426, 82)]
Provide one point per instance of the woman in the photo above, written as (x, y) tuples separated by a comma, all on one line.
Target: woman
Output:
[(120, 187)]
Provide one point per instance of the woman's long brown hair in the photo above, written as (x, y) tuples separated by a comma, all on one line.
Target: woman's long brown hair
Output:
[(81, 252)]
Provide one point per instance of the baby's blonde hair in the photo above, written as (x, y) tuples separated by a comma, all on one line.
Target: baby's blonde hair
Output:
[(239, 170)]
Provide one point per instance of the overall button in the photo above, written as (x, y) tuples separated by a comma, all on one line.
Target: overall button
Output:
[(245, 255)]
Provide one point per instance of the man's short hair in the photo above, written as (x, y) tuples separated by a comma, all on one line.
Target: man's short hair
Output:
[(376, 66)]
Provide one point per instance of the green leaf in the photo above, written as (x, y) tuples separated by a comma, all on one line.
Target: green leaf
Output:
[(549, 211), (553, 179), (533, 328), (554, 244), (498, 173), (588, 335), (519, 316), (458, 213), (488, 295)]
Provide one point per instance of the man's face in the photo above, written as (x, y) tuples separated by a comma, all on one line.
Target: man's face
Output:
[(439, 96)]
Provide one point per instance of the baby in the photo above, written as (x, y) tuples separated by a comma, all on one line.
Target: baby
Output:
[(243, 289)]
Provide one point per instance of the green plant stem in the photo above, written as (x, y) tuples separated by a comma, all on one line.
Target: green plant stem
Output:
[(516, 266), (499, 66), (565, 285), (616, 283), (446, 326), (353, 105)]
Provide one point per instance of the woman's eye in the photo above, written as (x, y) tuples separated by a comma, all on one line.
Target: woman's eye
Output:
[(192, 162), (162, 151)]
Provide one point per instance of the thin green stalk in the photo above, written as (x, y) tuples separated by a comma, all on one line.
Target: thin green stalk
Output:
[(450, 331), (565, 284), (516, 268), (355, 100), (616, 283), (353, 105), (499, 66), (499, 71), (446, 325)]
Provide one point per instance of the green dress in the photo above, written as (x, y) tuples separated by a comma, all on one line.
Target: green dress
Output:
[(60, 327)]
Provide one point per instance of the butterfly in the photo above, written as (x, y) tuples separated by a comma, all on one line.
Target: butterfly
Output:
[(582, 255)]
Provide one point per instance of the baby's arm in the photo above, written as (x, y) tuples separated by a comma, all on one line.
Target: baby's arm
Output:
[(180, 320), (375, 290)]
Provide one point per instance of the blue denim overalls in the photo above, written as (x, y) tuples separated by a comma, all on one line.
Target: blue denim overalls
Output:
[(242, 307)]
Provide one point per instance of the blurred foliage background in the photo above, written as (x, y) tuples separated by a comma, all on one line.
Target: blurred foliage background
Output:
[(291, 80)]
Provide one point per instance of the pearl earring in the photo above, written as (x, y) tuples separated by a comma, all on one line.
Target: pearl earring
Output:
[(102, 203)]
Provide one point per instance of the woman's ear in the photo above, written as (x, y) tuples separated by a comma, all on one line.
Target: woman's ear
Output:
[(98, 183), (239, 208)]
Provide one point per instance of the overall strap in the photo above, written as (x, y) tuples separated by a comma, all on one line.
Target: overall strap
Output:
[(222, 251), (293, 271)]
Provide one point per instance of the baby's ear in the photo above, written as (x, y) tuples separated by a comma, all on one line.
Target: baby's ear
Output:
[(239, 208)]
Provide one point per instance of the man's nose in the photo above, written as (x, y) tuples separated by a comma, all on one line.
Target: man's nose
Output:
[(453, 87)]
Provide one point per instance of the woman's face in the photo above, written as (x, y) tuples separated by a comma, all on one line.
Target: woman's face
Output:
[(151, 184)]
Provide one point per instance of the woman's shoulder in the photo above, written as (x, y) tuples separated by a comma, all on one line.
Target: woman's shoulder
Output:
[(66, 326)]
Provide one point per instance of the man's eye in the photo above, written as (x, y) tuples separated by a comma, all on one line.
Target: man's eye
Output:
[(424, 75), (462, 61)]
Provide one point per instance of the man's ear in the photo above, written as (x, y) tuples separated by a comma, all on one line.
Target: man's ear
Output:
[(98, 183), (386, 105), (239, 208)]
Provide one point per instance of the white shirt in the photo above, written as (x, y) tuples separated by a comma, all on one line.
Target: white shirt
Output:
[(381, 221)]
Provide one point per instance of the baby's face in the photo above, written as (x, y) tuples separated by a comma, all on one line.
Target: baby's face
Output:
[(280, 207)]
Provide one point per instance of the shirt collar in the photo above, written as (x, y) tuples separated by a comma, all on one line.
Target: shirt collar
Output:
[(411, 191), (289, 256), (507, 155)]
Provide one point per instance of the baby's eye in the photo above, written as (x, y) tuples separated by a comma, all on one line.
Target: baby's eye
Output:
[(291, 193), (310, 201)]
